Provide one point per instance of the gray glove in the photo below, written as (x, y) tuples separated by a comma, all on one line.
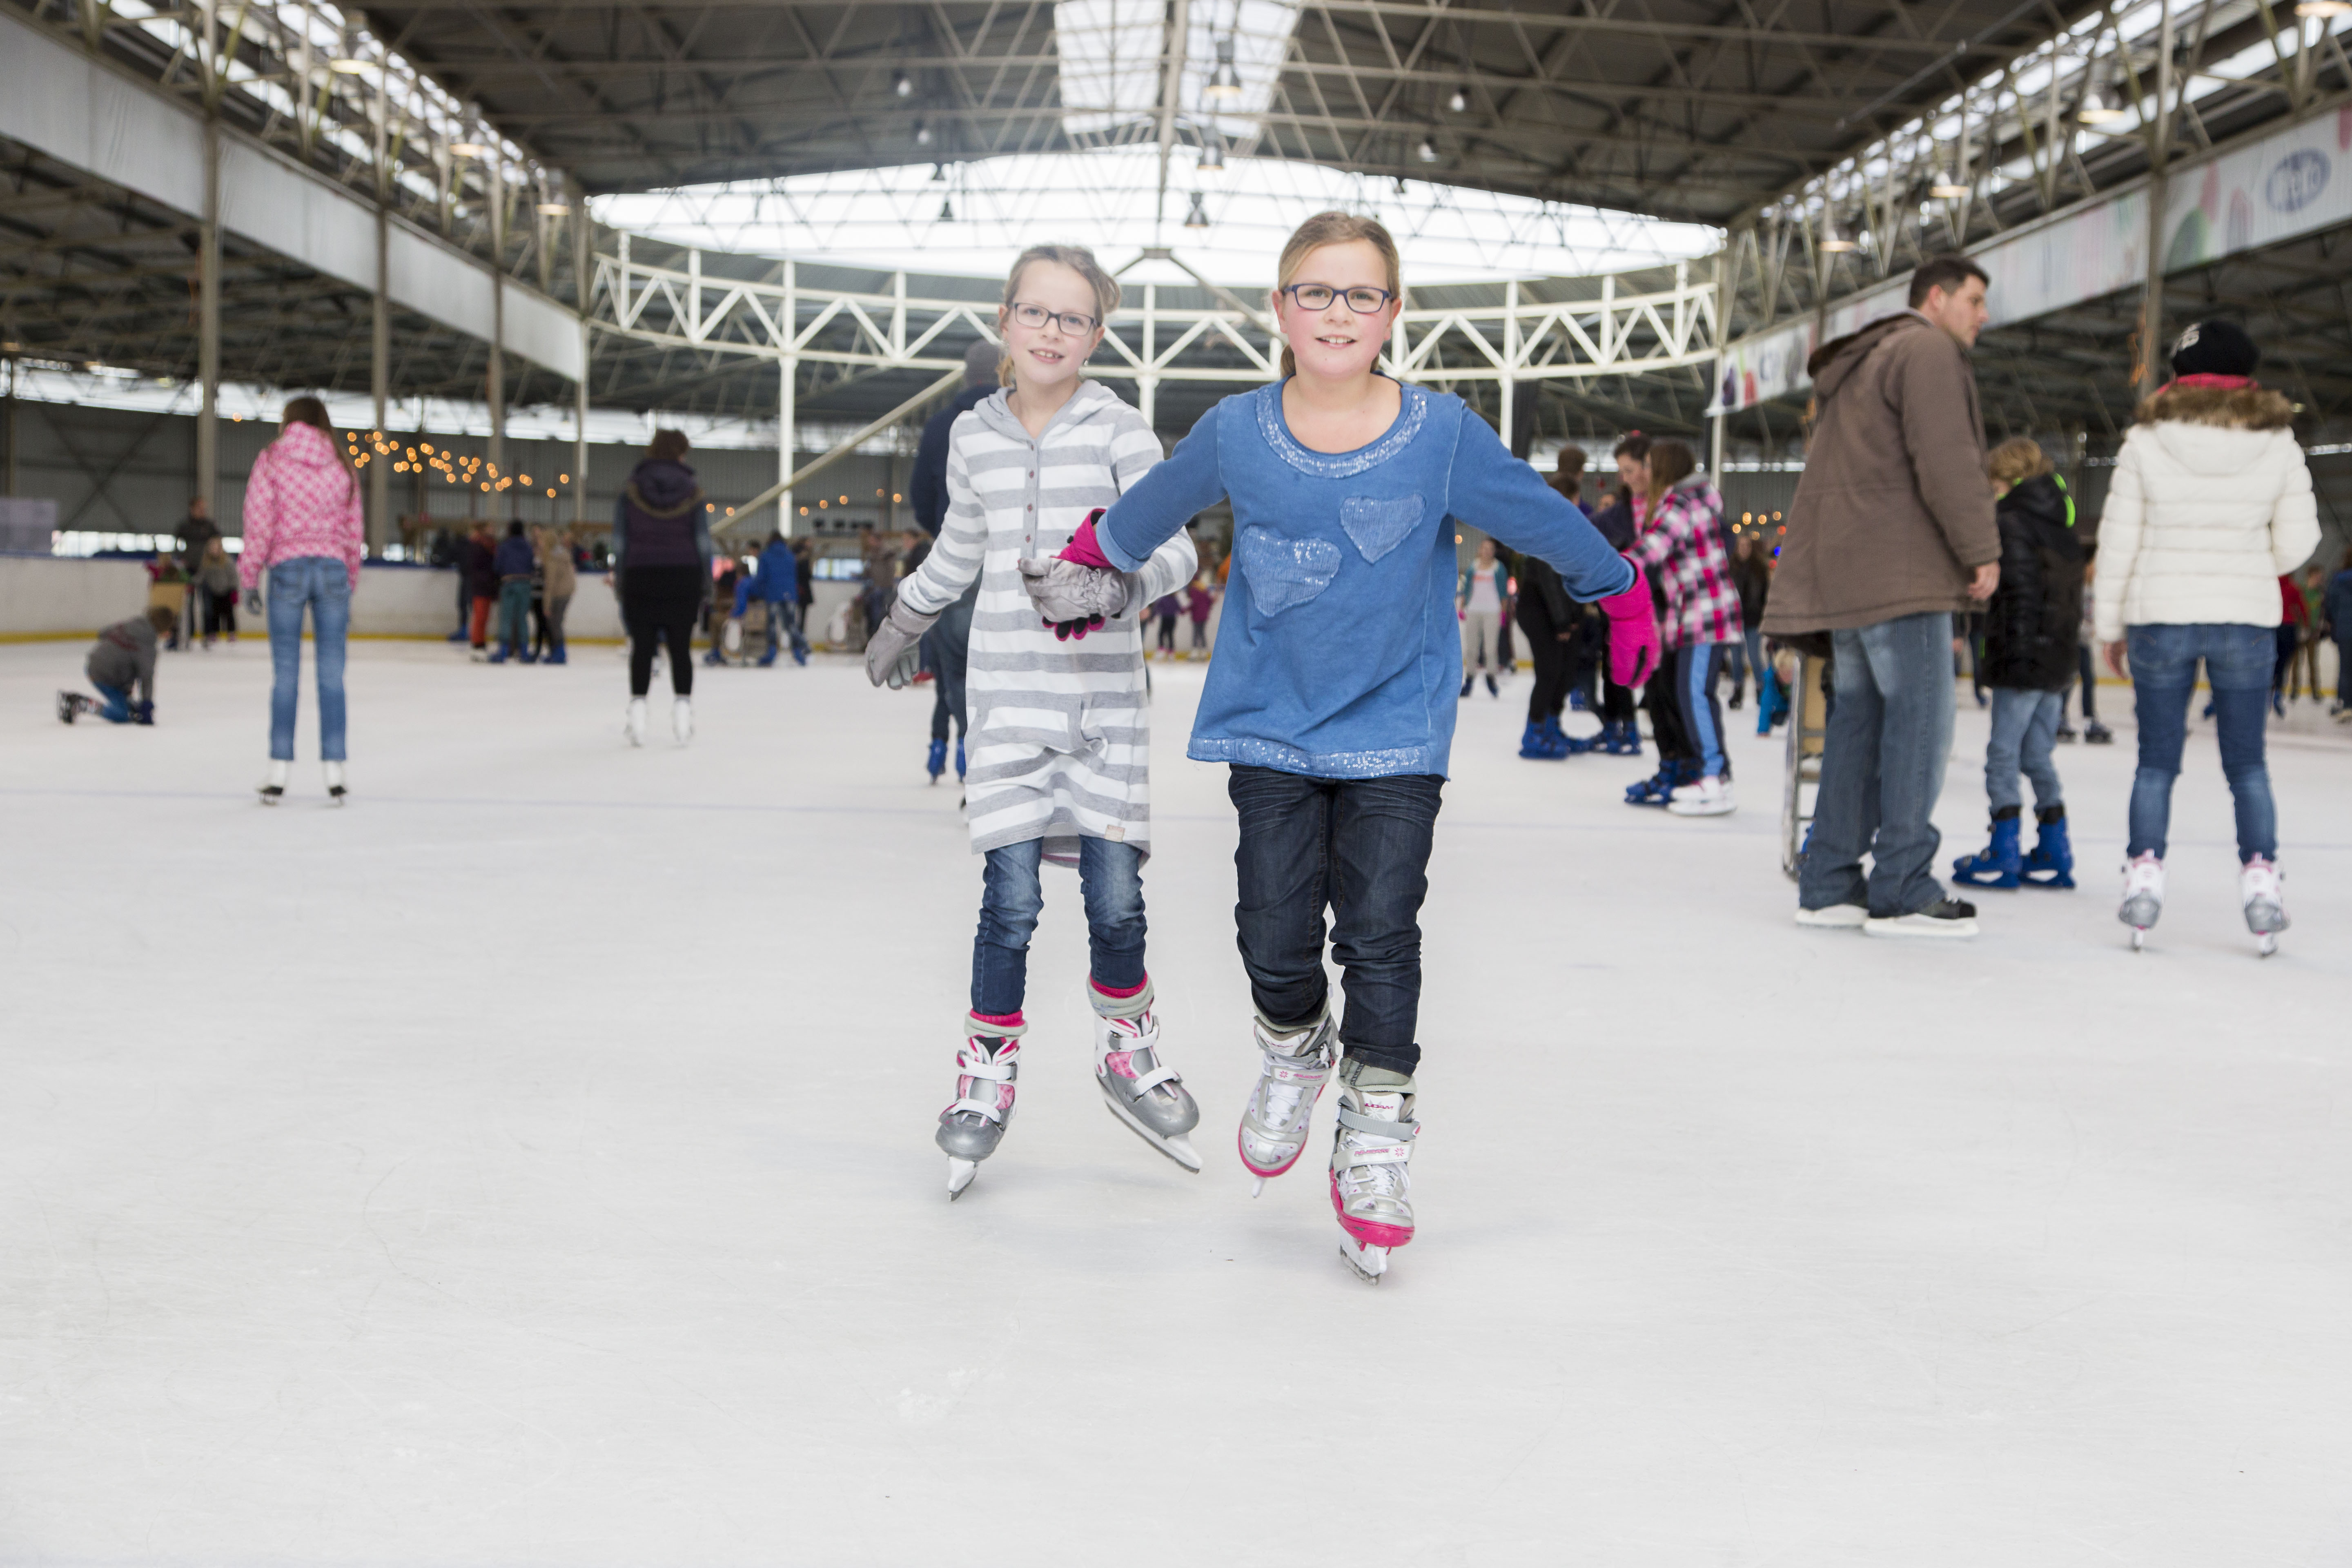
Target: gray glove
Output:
[(253, 601), (1066, 591), (893, 653)]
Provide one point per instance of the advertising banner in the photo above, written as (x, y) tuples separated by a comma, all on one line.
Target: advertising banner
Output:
[(2285, 185)]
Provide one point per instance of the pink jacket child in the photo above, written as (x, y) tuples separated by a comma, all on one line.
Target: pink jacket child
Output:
[(301, 501)]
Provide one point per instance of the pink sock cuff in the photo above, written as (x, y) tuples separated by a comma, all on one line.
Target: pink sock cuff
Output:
[(1000, 1020), (1119, 991)]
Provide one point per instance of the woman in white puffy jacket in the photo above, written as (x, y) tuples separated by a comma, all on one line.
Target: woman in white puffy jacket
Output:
[(2211, 502)]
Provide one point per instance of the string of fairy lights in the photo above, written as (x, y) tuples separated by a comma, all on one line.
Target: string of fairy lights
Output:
[(455, 468)]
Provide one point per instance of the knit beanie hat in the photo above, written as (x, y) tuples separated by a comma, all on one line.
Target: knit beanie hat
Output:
[(2215, 348)]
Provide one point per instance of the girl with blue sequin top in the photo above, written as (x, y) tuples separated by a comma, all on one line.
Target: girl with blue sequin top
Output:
[(1332, 691)]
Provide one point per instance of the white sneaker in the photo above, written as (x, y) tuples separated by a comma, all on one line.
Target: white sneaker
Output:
[(1834, 917), (634, 726), (335, 791), (1946, 918), (681, 720), (1711, 796)]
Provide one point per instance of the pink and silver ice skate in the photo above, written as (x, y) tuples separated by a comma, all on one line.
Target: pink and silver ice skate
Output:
[(1372, 1187), (1293, 1067)]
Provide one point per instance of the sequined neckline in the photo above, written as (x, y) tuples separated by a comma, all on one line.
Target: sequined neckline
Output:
[(1413, 408)]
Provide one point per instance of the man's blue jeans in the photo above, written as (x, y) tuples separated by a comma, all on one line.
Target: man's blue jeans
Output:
[(2024, 734), (1890, 734), (1360, 848), (1110, 879), (2237, 663), (947, 647), (323, 586)]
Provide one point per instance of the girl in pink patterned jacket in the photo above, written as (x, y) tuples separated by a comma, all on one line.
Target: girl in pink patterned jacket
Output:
[(303, 530), (1682, 545)]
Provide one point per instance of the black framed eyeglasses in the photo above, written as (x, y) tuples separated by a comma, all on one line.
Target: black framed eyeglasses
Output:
[(1363, 301), (1072, 321)]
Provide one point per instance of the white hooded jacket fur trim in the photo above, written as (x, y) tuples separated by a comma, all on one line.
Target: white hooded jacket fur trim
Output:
[(2211, 504)]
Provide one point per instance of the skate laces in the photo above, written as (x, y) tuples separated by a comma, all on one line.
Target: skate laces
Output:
[(1292, 1081), (1374, 1148)]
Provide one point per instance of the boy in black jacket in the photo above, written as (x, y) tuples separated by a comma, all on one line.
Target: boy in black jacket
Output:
[(2031, 627), (123, 656)]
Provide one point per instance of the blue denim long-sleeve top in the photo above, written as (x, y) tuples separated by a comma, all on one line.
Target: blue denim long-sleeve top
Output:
[(1339, 655)]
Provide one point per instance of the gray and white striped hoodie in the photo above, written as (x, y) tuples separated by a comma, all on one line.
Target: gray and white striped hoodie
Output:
[(1061, 740)]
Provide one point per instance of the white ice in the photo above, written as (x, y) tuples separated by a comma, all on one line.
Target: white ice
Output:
[(531, 1164)]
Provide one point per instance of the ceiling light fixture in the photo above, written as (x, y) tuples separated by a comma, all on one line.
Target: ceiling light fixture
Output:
[(1830, 242), (946, 211), (922, 133), (2097, 108), (1458, 103), (1224, 81), (2322, 7), (1199, 216), (1426, 152), (467, 149), (555, 209), (903, 85), (350, 67), (938, 173), (1212, 156), (1949, 186)]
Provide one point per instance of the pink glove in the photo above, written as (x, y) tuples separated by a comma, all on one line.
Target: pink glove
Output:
[(1083, 548), (1633, 632)]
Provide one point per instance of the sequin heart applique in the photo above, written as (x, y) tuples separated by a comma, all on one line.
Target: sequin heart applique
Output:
[(1379, 526), (1284, 571)]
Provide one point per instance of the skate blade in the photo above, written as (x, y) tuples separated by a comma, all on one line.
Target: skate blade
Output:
[(2139, 940), (2266, 944), (1257, 1186), (960, 1175), (1178, 1149), (1369, 1262)]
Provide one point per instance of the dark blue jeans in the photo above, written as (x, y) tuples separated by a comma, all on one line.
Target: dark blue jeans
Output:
[(2238, 662), (323, 585), (947, 648), (1360, 848), (117, 710), (1890, 734), (1110, 879)]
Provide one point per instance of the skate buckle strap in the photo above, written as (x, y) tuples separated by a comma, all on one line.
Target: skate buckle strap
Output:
[(1379, 1127), (977, 1108), (1146, 1082)]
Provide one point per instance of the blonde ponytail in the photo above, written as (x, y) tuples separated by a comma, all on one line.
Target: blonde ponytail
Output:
[(1331, 228)]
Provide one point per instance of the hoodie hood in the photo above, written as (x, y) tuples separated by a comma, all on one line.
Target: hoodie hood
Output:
[(1833, 361), (305, 446), (1091, 400), (2042, 498), (2213, 430), (662, 487)]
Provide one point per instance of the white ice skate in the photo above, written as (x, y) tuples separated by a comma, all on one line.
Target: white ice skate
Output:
[(634, 725), (1293, 1067), (2264, 902), (972, 1127), (681, 720), (1149, 1098), (336, 794), (1708, 797), (2142, 896), (1372, 1187), (273, 786)]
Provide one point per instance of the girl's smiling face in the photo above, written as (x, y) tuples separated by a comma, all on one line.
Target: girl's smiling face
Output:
[(1047, 354), (1335, 342)]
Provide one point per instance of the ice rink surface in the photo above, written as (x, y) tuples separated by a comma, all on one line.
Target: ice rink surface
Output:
[(531, 1164)]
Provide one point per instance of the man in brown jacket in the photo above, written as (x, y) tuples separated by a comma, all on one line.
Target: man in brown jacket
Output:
[(1891, 531)]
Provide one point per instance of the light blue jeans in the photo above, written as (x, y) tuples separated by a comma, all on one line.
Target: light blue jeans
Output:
[(2024, 734), (1110, 879), (2238, 664), (322, 584), (1890, 734)]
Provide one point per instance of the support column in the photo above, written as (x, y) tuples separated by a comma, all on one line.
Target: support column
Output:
[(1724, 276), (379, 503), (9, 444), (208, 292), (497, 387), (788, 371), (1510, 358), (2151, 303), (580, 433)]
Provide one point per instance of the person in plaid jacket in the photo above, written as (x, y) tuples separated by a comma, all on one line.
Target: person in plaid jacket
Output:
[(1682, 546)]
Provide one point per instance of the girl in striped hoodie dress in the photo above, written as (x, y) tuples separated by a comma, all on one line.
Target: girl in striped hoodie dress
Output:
[(1060, 740)]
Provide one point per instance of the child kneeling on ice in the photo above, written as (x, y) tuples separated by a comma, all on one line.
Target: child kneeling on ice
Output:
[(124, 656), (1061, 740), (2031, 624)]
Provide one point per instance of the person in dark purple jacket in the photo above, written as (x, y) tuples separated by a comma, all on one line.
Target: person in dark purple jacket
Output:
[(661, 570)]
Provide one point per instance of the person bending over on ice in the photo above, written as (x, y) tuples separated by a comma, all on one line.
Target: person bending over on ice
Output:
[(123, 656), (1332, 696), (1684, 544), (1061, 740), (2031, 624)]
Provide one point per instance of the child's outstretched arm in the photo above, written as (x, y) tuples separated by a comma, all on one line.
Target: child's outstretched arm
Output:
[(1495, 493), (1157, 508)]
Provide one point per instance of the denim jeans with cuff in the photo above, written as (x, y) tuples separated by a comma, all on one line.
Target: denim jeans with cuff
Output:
[(1110, 879), (1359, 848), (2024, 734)]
